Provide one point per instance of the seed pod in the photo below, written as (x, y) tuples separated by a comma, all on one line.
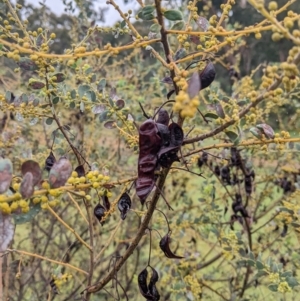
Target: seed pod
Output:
[(176, 133), (124, 205), (225, 174), (167, 156), (80, 171), (106, 202), (164, 134), (163, 117), (207, 75), (27, 186), (248, 184), (202, 160), (217, 170), (284, 231), (99, 212), (142, 282), (164, 244), (235, 158), (50, 161), (152, 285), (60, 172), (34, 168)]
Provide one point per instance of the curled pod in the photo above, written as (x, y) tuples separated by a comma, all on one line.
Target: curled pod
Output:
[(124, 205), (99, 212), (207, 75), (152, 285), (164, 244), (143, 287)]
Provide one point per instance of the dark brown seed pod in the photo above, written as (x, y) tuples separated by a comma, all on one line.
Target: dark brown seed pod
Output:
[(53, 286), (284, 231), (106, 202), (142, 282), (152, 285), (164, 133), (248, 184), (80, 171), (207, 75), (225, 174), (163, 117), (235, 158), (99, 212), (164, 244), (124, 205), (50, 161), (176, 133), (167, 156)]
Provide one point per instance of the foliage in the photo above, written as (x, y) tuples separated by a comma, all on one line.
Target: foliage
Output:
[(93, 165)]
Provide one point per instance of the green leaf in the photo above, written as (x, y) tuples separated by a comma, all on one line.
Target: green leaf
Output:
[(274, 267), (88, 70), (49, 121), (273, 287), (83, 89), (91, 95), (259, 265), (123, 24), (292, 282), (234, 137), (251, 255), (251, 262), (21, 218), (211, 115), (155, 28), (8, 96), (101, 85), (148, 9), (261, 273), (286, 274), (55, 100), (72, 105), (173, 15), (178, 25), (73, 94), (103, 116), (146, 17)]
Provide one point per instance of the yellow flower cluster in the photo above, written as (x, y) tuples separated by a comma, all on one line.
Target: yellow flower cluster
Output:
[(186, 106), (194, 284), (93, 177), (283, 287)]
